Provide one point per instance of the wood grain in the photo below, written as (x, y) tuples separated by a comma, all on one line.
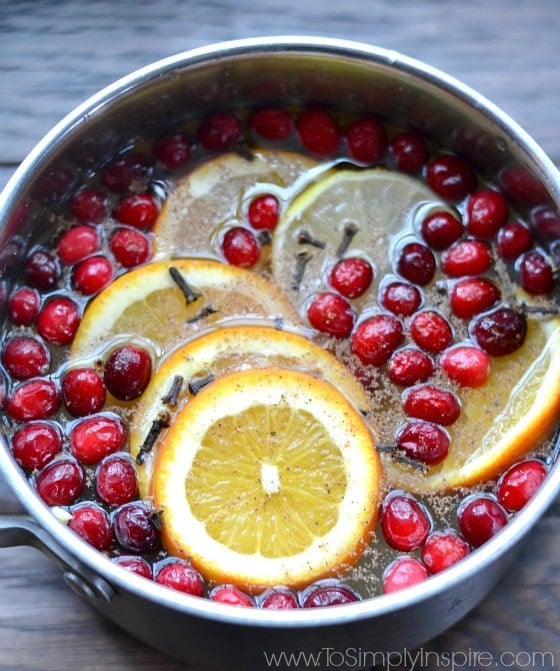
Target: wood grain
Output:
[(55, 54)]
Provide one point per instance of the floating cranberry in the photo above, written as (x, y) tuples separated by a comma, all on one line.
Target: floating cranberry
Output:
[(231, 595), (77, 243), (404, 522), (513, 240), (35, 444), (486, 213), (278, 598), (431, 331), (467, 365), (416, 263), (92, 524), (409, 152), (23, 306), (135, 527), (432, 404), (127, 173), (134, 564), (58, 321), (181, 577), (547, 222), (367, 140), (318, 132), (38, 398), (522, 186), (89, 206), (499, 332), (423, 442), (376, 338), (480, 517), (401, 298), (443, 549), (519, 483), (351, 277), (127, 372), (138, 209), (83, 391), (473, 295), (328, 594), (271, 123), (220, 131), (41, 270), (403, 572), (409, 366), (92, 275), (240, 247), (441, 229), (116, 481), (330, 313), (466, 257), (60, 483), (535, 274), (96, 437), (130, 247), (451, 177), (263, 212), (172, 151), (25, 357)]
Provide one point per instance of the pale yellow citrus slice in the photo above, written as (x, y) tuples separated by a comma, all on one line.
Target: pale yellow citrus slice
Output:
[(267, 477), (147, 303), (212, 355)]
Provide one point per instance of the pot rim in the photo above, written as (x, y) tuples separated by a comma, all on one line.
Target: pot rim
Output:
[(467, 568)]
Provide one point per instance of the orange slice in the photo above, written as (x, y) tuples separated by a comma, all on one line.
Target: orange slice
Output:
[(267, 477)]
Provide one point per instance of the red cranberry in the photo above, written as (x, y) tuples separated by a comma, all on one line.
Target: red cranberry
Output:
[(473, 295), (116, 480), (180, 576), (404, 522), (58, 321), (240, 247), (467, 365), (134, 564), (83, 391), (522, 187), (518, 484), (278, 598), (401, 298), (130, 247), (351, 276), (328, 594), (96, 437), (25, 357), (423, 442), (34, 399), (409, 366), (77, 243), (172, 151), (480, 517), (89, 206), (499, 332), (135, 527), (416, 263), (137, 209), (367, 140), (264, 212), (92, 524), (127, 372), (450, 177), (318, 132), (41, 270), (220, 131), (60, 483), (376, 338), (92, 274), (403, 572), (23, 306), (329, 313), (35, 444), (441, 229), (231, 595), (442, 549), (535, 274), (466, 257), (271, 123), (432, 404), (486, 213), (513, 240), (409, 152), (547, 222), (431, 331), (127, 173)]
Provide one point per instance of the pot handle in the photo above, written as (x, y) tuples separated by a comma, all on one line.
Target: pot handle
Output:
[(17, 530)]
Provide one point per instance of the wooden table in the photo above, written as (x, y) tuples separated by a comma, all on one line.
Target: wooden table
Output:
[(54, 54)]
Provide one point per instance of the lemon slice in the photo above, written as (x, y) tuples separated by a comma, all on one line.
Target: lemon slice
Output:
[(214, 354), (267, 477), (167, 302)]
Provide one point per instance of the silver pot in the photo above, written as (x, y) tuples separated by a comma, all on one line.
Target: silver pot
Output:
[(343, 75)]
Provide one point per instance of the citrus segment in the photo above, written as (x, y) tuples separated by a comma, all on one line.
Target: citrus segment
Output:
[(267, 477)]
